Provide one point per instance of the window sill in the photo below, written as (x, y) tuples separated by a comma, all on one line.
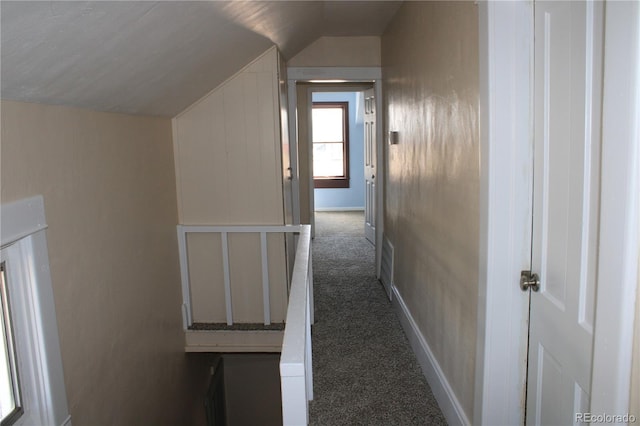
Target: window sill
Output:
[(331, 183)]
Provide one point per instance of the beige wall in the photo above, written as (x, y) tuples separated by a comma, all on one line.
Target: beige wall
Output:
[(339, 52), (253, 381), (430, 75), (109, 193), (228, 168)]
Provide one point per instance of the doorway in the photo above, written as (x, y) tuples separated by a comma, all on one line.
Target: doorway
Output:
[(359, 78), (360, 194), (506, 215), (341, 167)]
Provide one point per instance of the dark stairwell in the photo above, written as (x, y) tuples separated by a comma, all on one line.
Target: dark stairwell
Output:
[(364, 370)]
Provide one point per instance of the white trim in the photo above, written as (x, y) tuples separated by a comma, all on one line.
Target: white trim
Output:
[(311, 300), (25, 252), (239, 228), (592, 148), (21, 218), (444, 394), (233, 340), (380, 166), (292, 118), (619, 211), (505, 34), (339, 209), (311, 191), (356, 74), (348, 87)]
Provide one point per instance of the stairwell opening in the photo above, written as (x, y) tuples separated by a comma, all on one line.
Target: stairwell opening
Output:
[(244, 390)]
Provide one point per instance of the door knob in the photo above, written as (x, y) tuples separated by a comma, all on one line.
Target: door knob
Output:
[(529, 280), (373, 176)]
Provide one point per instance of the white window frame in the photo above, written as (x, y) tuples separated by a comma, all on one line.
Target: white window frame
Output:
[(23, 244), (9, 357)]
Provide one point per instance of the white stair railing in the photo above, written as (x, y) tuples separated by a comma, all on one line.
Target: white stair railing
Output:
[(296, 378), (224, 231), (296, 375)]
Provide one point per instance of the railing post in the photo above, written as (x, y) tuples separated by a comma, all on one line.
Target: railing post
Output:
[(184, 277), (227, 279), (310, 278), (308, 368), (294, 401), (266, 302)]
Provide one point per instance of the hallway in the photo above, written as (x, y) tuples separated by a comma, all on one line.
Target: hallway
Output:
[(364, 370)]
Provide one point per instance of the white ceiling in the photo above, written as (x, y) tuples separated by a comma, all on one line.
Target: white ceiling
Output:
[(157, 57)]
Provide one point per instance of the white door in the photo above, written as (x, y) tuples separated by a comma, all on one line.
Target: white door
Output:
[(567, 93), (370, 165)]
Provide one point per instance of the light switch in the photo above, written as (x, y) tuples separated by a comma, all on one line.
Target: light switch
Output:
[(393, 137)]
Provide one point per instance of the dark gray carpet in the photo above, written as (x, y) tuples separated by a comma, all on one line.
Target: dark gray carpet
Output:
[(364, 370)]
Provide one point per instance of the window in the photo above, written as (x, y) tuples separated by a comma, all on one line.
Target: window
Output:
[(10, 397), (32, 390), (330, 136)]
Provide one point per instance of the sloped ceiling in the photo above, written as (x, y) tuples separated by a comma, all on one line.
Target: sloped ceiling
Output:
[(157, 58)]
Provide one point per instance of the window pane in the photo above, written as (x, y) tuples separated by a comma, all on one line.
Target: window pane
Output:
[(10, 409), (328, 159), (327, 124)]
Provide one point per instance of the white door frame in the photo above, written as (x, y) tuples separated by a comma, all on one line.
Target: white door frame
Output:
[(339, 75), (506, 153), (506, 42), (619, 211)]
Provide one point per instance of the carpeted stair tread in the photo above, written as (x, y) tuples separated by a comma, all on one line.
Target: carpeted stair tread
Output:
[(206, 326)]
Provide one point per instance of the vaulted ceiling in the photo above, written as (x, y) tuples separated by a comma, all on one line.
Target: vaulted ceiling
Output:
[(157, 57)]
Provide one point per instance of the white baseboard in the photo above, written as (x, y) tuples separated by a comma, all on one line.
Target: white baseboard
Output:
[(339, 209), (447, 400)]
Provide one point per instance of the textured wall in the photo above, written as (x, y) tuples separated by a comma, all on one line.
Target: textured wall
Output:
[(339, 52), (430, 74), (109, 192), (327, 198)]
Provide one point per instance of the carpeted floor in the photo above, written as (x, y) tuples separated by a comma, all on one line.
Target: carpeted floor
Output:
[(364, 370)]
